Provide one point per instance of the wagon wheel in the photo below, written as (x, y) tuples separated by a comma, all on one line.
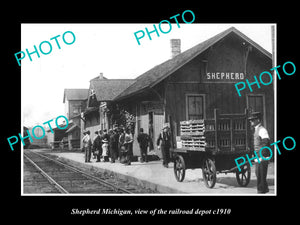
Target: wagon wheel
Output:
[(209, 173), (179, 168), (243, 176)]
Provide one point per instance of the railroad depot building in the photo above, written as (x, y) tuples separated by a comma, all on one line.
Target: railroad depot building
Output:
[(193, 83)]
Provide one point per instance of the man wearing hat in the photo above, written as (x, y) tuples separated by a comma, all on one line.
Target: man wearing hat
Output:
[(164, 143), (143, 140), (87, 144), (97, 146), (260, 139), (113, 144)]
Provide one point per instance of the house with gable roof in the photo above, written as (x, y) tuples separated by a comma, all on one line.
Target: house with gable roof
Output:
[(75, 101)]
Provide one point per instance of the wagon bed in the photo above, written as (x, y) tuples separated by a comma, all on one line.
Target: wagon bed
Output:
[(212, 145)]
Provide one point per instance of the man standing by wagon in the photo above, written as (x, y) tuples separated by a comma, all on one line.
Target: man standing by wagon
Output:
[(260, 139), (164, 143)]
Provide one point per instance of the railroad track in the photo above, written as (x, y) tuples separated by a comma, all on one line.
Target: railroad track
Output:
[(63, 178), (34, 181)]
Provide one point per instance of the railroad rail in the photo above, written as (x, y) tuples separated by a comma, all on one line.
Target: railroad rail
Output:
[(68, 179)]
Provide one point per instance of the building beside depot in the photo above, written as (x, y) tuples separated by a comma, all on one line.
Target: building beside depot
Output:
[(190, 85), (100, 111), (70, 138)]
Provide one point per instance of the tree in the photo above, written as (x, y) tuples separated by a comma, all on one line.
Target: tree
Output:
[(121, 117)]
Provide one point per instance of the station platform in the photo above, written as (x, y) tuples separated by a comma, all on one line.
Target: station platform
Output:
[(154, 176)]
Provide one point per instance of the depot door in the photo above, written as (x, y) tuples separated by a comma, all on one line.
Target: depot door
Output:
[(156, 121), (256, 103)]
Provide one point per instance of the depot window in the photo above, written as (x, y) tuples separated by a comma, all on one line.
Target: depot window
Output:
[(195, 106)]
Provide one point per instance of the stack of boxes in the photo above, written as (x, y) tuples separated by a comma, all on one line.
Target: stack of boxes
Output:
[(192, 135)]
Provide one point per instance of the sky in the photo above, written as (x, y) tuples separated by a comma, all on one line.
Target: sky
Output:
[(110, 49)]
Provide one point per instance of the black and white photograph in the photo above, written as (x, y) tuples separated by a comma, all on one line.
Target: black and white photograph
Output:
[(143, 109), (134, 113)]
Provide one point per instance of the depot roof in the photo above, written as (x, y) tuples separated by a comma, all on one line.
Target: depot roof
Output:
[(160, 72)]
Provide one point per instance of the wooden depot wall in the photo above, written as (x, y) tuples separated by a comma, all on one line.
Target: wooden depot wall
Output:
[(227, 56)]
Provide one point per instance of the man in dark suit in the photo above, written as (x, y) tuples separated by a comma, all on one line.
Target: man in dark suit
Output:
[(143, 140), (113, 145), (164, 143), (97, 146)]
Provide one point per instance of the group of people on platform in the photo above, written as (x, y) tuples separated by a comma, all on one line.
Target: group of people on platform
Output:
[(117, 144)]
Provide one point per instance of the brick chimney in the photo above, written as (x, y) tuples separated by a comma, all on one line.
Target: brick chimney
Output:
[(101, 76), (175, 47)]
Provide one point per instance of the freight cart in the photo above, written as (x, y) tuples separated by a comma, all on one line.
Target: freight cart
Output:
[(213, 145)]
